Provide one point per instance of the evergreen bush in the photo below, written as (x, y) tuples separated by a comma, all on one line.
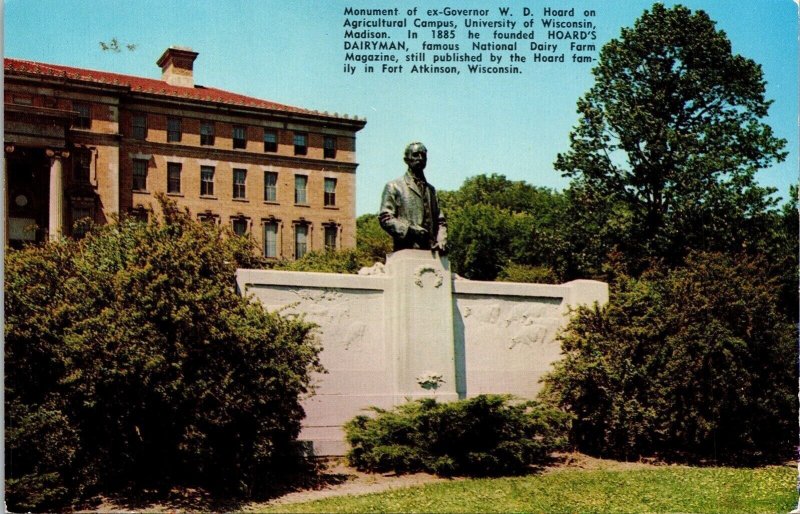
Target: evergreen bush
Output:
[(483, 436)]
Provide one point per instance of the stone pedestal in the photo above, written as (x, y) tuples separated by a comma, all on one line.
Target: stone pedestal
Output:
[(420, 324)]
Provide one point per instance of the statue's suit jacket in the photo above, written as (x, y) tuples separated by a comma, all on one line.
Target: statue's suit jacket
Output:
[(403, 204)]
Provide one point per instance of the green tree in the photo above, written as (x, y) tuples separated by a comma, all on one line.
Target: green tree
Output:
[(494, 222), (371, 240), (131, 360), (591, 231), (479, 240), (671, 134), (511, 195), (786, 262)]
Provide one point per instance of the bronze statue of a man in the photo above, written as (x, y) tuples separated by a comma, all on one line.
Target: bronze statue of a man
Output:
[(409, 209)]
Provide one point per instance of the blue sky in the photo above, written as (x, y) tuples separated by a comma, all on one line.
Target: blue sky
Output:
[(292, 52)]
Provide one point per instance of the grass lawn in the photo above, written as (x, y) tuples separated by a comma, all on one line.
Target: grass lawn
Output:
[(669, 489)]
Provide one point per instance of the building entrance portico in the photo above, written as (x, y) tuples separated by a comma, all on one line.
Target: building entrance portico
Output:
[(40, 195), (36, 157)]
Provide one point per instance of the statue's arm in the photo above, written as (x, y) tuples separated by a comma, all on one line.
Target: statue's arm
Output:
[(396, 227)]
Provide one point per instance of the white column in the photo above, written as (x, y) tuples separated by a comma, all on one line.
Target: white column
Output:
[(56, 207), (109, 183), (6, 198), (279, 240)]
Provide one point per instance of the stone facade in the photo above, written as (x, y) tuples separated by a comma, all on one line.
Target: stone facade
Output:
[(383, 333), (108, 143)]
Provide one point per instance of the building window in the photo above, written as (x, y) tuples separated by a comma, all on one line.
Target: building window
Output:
[(300, 144), (82, 218), (174, 130), (330, 147), (206, 181), (81, 170), (239, 137), (207, 217), (84, 119), (300, 240), (330, 192), (173, 177), (139, 126), (139, 214), (270, 140), (239, 226), (270, 186), (239, 178), (207, 133), (139, 175), (271, 240), (300, 184), (23, 99), (331, 231)]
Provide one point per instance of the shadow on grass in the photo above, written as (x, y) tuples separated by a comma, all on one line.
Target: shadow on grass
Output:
[(731, 459), (473, 471), (199, 499)]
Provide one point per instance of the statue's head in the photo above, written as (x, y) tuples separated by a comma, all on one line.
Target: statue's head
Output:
[(416, 157)]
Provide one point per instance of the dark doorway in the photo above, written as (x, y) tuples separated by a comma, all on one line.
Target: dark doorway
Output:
[(28, 184)]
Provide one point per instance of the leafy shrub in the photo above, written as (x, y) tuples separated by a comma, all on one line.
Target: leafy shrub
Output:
[(692, 363), (329, 261), (485, 435), (132, 361), (513, 272)]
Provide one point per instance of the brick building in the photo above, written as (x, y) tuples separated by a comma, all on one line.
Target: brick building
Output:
[(81, 143)]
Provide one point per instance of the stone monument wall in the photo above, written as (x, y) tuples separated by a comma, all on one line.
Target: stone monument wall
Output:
[(385, 332)]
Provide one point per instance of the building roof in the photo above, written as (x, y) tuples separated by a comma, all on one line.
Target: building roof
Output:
[(152, 86)]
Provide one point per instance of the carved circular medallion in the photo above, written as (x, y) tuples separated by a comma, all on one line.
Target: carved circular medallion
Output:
[(421, 270)]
